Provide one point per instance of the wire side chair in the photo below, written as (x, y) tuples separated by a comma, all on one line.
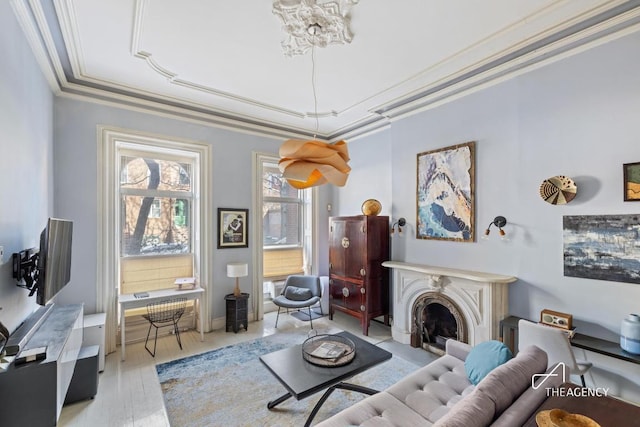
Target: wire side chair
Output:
[(164, 313)]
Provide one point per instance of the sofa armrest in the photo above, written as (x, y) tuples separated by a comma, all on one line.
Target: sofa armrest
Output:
[(458, 349), (530, 400)]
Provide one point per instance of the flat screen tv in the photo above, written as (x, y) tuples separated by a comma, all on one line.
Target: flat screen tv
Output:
[(54, 259)]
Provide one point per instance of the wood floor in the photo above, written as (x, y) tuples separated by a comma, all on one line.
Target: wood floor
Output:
[(129, 393)]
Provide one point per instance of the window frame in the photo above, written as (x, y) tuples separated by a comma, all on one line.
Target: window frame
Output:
[(299, 201), (308, 234), (108, 251)]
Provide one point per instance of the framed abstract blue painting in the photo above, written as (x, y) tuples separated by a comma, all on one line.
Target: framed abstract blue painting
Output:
[(445, 193), (602, 247)]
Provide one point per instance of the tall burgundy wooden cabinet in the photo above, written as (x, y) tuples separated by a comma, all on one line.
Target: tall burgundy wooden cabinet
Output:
[(358, 283)]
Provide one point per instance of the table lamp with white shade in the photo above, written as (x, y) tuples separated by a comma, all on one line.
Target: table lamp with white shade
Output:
[(237, 270)]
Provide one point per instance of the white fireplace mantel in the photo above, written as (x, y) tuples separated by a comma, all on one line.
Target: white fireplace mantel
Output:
[(483, 298)]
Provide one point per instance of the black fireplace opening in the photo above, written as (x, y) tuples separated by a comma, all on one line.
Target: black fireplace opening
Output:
[(438, 325), (435, 320)]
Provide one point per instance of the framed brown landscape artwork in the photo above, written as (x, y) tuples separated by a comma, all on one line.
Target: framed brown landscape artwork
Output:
[(445, 193), (233, 228), (631, 172)]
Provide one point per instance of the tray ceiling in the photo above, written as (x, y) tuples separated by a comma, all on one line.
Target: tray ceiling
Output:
[(222, 61)]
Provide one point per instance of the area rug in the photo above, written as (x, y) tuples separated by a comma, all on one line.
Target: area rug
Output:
[(229, 386)]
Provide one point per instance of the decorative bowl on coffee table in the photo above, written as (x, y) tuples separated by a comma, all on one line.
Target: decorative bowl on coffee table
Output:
[(328, 350)]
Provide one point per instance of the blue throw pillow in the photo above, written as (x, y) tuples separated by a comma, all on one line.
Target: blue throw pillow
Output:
[(484, 358)]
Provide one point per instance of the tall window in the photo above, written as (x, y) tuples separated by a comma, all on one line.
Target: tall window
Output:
[(154, 205), (286, 237), (156, 197)]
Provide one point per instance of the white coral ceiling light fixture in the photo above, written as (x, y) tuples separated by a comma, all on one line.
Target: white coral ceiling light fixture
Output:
[(311, 23)]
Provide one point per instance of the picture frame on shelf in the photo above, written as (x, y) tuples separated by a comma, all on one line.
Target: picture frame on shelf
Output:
[(556, 319), (233, 228), (631, 181), (445, 193)]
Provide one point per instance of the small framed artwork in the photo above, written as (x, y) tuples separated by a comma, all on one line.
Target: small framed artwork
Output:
[(556, 318), (233, 228), (631, 172)]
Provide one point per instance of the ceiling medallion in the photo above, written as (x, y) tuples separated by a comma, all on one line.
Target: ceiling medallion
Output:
[(311, 23)]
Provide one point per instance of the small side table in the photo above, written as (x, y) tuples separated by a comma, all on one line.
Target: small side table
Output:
[(509, 332), (236, 312), (605, 410)]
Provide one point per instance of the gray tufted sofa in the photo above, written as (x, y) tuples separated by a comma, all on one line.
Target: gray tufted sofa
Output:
[(441, 395)]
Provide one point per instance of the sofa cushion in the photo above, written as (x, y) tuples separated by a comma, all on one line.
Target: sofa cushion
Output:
[(433, 389), (475, 410), (295, 293), (484, 358), (379, 410), (507, 382)]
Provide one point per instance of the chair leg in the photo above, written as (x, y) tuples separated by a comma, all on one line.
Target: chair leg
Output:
[(583, 383), (310, 317), (155, 341), (176, 331), (147, 340), (278, 316)]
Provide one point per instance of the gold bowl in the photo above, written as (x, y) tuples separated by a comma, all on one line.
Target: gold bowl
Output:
[(371, 207), (560, 418)]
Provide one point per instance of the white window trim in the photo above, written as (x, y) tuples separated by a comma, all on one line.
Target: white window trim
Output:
[(107, 274), (257, 200)]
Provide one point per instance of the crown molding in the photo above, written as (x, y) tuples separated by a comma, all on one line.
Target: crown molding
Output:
[(596, 26), (362, 131), (27, 21), (524, 57), (424, 75), (188, 116)]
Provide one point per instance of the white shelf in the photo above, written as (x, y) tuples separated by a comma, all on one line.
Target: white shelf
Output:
[(94, 334)]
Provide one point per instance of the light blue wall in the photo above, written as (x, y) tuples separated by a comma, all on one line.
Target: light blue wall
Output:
[(370, 176), (577, 117), (76, 160), (25, 160)]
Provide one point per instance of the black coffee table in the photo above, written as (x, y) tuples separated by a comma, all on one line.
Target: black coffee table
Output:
[(303, 379)]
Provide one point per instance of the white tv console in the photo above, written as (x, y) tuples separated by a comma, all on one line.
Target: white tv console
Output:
[(32, 394)]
